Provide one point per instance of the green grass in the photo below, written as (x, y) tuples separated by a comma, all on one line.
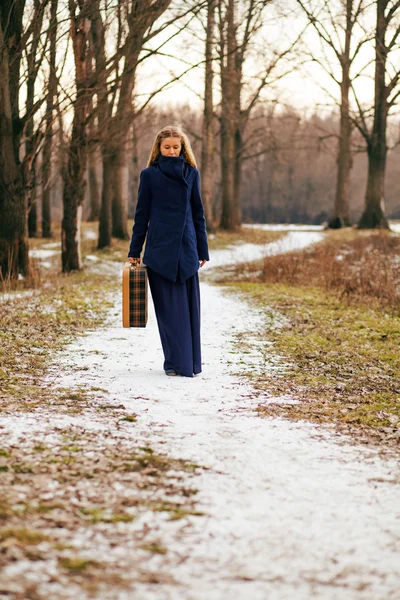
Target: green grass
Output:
[(76, 564), (99, 515), (340, 360), (23, 536), (154, 548)]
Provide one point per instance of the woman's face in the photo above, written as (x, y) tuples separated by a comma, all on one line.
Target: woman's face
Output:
[(171, 146)]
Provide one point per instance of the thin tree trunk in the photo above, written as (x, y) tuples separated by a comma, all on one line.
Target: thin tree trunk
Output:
[(134, 167), (341, 214), (30, 149), (30, 180), (115, 112), (238, 142), (14, 256), (48, 140), (227, 174), (104, 116), (207, 151), (94, 187), (93, 158), (74, 181), (373, 215), (228, 117), (121, 192), (105, 221)]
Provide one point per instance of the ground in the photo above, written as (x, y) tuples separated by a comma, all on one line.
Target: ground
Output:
[(119, 482)]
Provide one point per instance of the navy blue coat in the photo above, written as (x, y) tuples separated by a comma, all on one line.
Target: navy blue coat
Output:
[(170, 211)]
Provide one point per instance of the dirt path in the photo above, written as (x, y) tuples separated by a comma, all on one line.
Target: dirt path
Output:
[(289, 510)]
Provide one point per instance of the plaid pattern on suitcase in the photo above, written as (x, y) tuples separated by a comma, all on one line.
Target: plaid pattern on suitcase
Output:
[(134, 296)]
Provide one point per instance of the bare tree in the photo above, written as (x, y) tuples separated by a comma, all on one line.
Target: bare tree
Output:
[(335, 24), (34, 58), (48, 136), (94, 150), (14, 257), (207, 149), (115, 108), (387, 94), (74, 177), (234, 45)]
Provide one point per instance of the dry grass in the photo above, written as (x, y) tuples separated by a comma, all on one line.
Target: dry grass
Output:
[(339, 361), (357, 266), (338, 338), (57, 481)]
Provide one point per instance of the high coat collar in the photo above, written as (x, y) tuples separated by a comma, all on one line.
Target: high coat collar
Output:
[(172, 167)]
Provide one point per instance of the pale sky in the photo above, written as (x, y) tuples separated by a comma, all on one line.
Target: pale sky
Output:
[(300, 88)]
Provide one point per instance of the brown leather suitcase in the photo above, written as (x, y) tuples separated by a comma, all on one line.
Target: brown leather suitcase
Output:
[(134, 296)]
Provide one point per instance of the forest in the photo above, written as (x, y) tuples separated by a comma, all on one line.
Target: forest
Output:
[(78, 117)]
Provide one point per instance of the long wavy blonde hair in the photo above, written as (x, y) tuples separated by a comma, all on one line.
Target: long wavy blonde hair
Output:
[(172, 131)]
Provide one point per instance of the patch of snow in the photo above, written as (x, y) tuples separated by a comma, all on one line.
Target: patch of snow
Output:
[(284, 227), (52, 245), (6, 296), (290, 512), (41, 253), (291, 509), (294, 240), (395, 226), (88, 234), (92, 258), (46, 264)]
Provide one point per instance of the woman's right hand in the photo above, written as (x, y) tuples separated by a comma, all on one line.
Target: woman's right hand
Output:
[(135, 261)]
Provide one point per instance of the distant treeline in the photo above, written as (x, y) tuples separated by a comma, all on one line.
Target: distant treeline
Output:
[(293, 181)]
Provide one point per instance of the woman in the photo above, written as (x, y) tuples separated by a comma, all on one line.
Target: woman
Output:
[(170, 211)]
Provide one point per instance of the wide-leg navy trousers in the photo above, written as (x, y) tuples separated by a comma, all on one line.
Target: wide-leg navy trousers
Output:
[(177, 308)]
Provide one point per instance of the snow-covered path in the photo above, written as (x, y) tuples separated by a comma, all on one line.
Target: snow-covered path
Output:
[(293, 511), (293, 240)]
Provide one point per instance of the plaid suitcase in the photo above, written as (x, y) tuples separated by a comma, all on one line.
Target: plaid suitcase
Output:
[(134, 296)]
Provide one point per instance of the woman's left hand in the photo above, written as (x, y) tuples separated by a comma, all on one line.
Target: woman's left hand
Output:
[(202, 262)]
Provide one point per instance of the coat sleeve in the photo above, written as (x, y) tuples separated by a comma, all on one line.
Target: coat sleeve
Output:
[(199, 219), (142, 215)]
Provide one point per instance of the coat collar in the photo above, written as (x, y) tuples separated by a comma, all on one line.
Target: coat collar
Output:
[(172, 167)]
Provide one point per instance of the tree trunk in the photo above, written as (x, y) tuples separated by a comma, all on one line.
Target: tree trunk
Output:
[(14, 256), (134, 170), (373, 215), (115, 110), (74, 179), (227, 174), (207, 150), (230, 218), (32, 215), (105, 221), (30, 145), (47, 145), (93, 158), (94, 188), (46, 197), (121, 192), (74, 193), (237, 178), (30, 174), (341, 216)]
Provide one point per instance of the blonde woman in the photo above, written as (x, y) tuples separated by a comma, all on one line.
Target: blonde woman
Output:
[(170, 211)]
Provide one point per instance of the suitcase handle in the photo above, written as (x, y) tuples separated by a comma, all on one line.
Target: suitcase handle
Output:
[(132, 266)]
